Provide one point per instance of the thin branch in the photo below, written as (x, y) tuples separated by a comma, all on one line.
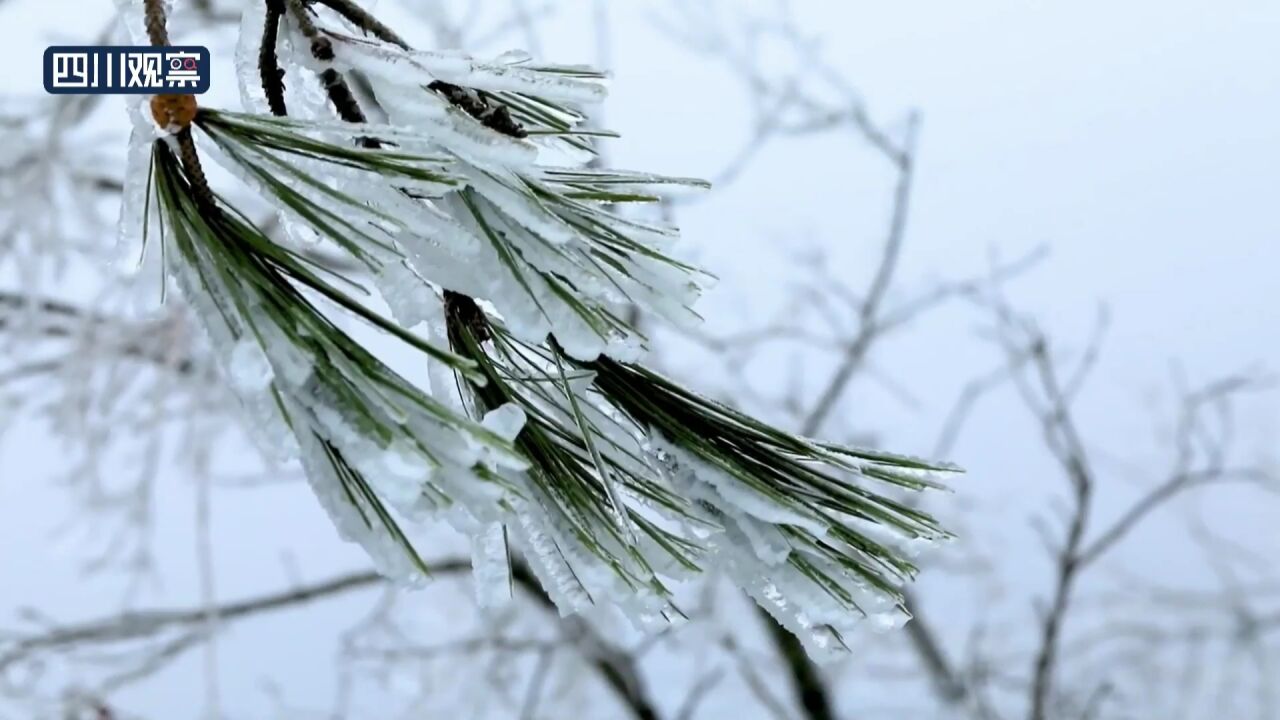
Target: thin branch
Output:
[(135, 625), (335, 85), (950, 686), (754, 682), (617, 668), (58, 319), (1183, 477), (1131, 518), (1064, 439), (362, 19), (870, 310), (689, 708), (546, 658), (156, 22), (269, 69)]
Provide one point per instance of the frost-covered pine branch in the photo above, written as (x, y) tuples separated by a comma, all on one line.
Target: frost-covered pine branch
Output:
[(509, 264)]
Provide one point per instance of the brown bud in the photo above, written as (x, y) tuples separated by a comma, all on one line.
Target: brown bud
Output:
[(173, 112)]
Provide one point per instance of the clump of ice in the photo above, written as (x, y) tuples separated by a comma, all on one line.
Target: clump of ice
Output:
[(248, 368)]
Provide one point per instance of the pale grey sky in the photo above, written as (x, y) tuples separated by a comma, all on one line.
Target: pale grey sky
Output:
[(1140, 140)]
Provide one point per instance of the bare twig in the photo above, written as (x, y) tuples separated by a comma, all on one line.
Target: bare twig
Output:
[(136, 625), (1063, 438), (1183, 476), (858, 347), (950, 686), (689, 708)]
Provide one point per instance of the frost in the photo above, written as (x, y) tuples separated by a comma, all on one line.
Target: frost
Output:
[(767, 541)]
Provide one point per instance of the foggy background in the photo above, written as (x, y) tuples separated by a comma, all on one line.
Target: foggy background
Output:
[(1130, 150)]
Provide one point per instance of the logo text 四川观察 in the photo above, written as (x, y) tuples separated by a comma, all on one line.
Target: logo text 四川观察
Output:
[(123, 70)]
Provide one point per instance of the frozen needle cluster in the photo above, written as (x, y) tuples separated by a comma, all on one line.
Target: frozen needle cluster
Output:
[(471, 208)]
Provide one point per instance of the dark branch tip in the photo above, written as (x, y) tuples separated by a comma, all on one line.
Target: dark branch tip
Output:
[(322, 49)]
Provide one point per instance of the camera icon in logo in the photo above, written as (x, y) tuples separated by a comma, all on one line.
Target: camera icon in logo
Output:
[(183, 69)]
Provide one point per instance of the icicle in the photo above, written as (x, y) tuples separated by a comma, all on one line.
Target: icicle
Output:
[(452, 128), (408, 297), (520, 205), (252, 22), (491, 567), (444, 384), (130, 252), (350, 515), (423, 67), (906, 546), (735, 492), (226, 331), (406, 471), (767, 541)]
